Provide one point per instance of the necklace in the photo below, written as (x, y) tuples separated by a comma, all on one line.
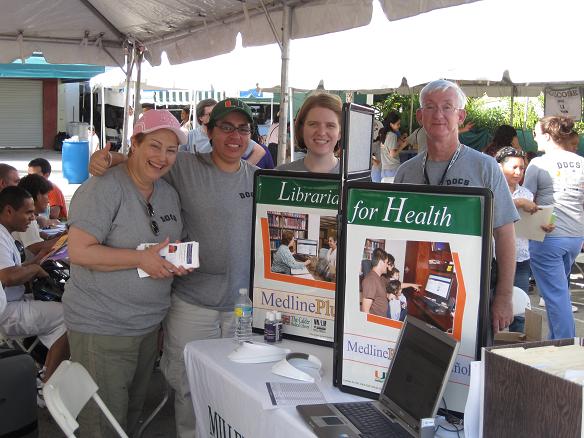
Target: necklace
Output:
[(450, 164)]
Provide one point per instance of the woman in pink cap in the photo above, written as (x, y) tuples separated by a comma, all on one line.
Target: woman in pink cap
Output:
[(112, 315)]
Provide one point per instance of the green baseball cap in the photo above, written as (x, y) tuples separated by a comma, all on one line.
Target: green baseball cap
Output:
[(227, 106)]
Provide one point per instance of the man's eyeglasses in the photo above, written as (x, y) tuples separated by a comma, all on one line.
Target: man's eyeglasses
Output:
[(445, 109), (153, 224), (509, 151), (228, 128)]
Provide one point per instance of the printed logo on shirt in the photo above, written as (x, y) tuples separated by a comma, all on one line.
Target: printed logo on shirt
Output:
[(244, 195), (168, 218), (457, 182)]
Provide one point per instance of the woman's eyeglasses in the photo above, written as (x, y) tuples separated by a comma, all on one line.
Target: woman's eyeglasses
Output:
[(153, 224), (228, 128)]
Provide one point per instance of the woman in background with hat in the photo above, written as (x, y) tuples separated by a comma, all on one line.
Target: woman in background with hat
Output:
[(113, 316)]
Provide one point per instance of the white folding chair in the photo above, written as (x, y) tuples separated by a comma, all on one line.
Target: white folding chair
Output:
[(67, 391), (17, 342)]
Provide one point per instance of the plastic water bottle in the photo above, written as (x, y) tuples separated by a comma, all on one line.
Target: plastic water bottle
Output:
[(279, 326), (243, 316)]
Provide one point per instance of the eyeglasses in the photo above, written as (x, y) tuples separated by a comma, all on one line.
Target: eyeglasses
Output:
[(228, 128), (153, 224), (446, 109)]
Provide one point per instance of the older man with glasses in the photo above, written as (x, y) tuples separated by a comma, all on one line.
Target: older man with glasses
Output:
[(450, 163)]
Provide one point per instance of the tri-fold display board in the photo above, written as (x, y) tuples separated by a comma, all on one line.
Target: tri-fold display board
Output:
[(440, 241)]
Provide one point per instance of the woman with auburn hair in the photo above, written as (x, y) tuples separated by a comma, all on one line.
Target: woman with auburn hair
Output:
[(557, 178), (317, 131)]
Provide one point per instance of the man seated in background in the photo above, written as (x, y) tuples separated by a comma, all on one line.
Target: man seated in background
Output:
[(8, 176), (23, 317), (40, 166), (34, 240)]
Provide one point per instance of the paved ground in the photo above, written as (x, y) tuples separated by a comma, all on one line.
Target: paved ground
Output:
[(163, 425)]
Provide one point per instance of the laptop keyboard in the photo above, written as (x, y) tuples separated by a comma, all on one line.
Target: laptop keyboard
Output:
[(370, 422)]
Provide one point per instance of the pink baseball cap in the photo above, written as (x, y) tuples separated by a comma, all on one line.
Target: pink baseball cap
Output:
[(153, 120)]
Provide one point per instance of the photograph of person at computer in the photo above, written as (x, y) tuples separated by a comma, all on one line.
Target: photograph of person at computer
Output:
[(303, 245), (426, 290)]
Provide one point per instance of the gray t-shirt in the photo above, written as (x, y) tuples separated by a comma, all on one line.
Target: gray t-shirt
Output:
[(299, 166), (471, 168), (119, 303), (557, 178), (217, 212)]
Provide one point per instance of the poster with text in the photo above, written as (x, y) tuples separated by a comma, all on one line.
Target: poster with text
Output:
[(295, 253), (411, 250)]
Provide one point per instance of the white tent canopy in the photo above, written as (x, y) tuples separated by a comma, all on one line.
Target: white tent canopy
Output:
[(377, 57), (96, 31)]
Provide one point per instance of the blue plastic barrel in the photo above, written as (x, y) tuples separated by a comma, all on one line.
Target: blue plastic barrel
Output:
[(75, 159)]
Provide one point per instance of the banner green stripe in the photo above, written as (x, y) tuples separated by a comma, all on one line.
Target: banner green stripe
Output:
[(454, 214), (298, 192)]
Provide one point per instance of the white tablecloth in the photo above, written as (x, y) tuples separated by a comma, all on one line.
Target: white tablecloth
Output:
[(233, 397)]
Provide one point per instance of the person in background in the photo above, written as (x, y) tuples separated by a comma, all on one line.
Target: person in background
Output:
[(317, 131), (185, 119), (272, 138), (398, 309), (283, 260), (93, 139), (33, 239), (448, 162), (331, 257), (391, 147), (113, 316), (24, 317), (266, 161), (376, 151), (216, 194), (58, 207), (505, 135), (8, 176), (513, 163), (557, 178)]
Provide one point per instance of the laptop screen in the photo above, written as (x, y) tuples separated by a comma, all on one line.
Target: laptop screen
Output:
[(418, 370)]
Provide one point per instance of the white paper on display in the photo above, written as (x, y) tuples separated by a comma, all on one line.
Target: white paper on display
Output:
[(184, 254), (529, 225)]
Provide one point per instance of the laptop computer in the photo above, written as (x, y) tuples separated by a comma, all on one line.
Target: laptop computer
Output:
[(415, 382)]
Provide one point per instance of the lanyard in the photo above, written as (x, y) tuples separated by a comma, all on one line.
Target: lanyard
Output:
[(450, 164)]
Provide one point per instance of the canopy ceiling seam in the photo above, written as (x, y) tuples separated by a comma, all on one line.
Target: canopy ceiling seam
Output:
[(181, 34), (272, 26), (121, 36)]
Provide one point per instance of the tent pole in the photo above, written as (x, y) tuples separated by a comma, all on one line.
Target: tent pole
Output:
[(282, 131), (103, 136), (512, 101), (411, 110), (526, 113), (91, 114), (139, 57), (126, 128), (291, 119)]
